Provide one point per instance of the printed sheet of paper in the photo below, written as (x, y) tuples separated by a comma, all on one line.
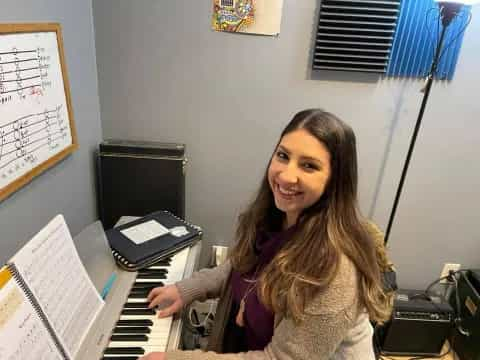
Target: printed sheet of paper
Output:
[(50, 265), (23, 335), (145, 231)]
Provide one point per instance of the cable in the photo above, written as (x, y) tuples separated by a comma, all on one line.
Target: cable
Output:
[(458, 320), (460, 15), (445, 48), (207, 317)]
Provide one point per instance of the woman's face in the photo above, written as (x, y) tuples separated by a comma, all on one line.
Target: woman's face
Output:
[(298, 173)]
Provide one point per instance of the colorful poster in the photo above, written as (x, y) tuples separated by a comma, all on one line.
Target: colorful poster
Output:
[(247, 16)]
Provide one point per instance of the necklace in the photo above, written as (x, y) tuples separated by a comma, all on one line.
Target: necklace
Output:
[(240, 318)]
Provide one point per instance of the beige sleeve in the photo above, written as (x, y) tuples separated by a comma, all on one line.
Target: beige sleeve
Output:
[(204, 284), (329, 317)]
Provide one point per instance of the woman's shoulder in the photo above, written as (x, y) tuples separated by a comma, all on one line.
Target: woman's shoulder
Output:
[(342, 292)]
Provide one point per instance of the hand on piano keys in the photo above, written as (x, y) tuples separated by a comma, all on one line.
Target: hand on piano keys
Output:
[(165, 295), (141, 329)]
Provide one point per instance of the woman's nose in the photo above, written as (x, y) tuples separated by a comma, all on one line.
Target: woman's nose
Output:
[(289, 175)]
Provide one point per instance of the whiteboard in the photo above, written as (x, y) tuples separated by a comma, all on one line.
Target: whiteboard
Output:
[(36, 124)]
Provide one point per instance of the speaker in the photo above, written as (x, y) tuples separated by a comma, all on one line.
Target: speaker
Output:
[(135, 178), (465, 339), (419, 325)]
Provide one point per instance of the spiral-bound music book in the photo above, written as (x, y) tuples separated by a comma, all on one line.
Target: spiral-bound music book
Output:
[(47, 301), (151, 238)]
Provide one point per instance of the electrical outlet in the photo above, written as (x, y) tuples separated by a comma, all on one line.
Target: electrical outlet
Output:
[(446, 269)]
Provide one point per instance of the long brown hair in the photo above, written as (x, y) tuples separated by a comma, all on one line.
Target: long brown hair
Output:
[(308, 262)]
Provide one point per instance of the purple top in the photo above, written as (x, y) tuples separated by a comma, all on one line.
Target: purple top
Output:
[(258, 320)]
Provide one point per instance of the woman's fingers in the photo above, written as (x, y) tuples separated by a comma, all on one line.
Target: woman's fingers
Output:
[(170, 310), (157, 298), (154, 292)]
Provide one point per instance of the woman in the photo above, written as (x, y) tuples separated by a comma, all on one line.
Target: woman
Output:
[(302, 281)]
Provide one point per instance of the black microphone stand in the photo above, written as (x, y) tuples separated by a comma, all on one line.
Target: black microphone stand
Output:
[(448, 11)]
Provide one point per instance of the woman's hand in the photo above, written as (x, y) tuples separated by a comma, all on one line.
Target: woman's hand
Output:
[(165, 294), (153, 356)]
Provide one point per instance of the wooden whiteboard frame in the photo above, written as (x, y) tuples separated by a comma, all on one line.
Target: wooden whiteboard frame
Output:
[(7, 29)]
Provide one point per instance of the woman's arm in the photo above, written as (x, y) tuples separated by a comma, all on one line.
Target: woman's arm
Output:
[(329, 318), (204, 284)]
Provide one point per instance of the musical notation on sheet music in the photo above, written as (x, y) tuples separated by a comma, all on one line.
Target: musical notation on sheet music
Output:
[(22, 333), (68, 297)]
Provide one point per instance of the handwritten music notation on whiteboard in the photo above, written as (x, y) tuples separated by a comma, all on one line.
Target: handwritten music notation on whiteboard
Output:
[(25, 138), (23, 72), (35, 117)]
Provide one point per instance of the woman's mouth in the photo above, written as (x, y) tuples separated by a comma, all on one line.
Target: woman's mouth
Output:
[(286, 193)]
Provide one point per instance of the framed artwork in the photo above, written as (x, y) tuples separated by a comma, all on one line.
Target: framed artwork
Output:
[(247, 16)]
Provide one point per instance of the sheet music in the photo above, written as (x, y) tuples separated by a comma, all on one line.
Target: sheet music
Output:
[(23, 335), (50, 265)]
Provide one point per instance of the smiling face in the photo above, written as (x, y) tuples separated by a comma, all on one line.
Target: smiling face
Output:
[(298, 173)]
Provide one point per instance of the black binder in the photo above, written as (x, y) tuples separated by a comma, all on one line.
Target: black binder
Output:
[(132, 257)]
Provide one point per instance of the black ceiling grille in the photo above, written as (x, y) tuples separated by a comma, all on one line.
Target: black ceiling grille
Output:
[(355, 35)]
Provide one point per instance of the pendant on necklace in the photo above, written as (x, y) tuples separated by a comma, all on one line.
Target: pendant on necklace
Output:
[(239, 320)]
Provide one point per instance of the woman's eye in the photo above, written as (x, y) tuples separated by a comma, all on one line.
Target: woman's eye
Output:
[(282, 155), (309, 166)]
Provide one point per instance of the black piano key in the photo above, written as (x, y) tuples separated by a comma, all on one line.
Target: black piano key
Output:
[(120, 358), (137, 295), (158, 274), (131, 329), (136, 305), (153, 271), (164, 269), (124, 350), (133, 322), (145, 289), (130, 337), (146, 284), (151, 276), (140, 291), (138, 312)]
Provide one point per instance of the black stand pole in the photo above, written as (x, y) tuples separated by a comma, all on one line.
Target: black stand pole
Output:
[(448, 12)]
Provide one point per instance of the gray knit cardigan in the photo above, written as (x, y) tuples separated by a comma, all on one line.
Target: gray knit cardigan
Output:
[(335, 326)]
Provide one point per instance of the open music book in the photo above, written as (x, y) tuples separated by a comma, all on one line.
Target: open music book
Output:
[(47, 301)]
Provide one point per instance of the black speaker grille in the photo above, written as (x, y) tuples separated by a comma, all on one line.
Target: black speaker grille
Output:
[(355, 35)]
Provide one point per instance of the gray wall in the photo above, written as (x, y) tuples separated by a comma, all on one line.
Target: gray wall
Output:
[(165, 76), (68, 187)]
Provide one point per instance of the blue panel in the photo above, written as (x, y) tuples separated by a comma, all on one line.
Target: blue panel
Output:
[(417, 33)]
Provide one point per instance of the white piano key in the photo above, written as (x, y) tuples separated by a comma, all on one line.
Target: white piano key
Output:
[(137, 280), (153, 343), (147, 348), (155, 333), (158, 338), (137, 300)]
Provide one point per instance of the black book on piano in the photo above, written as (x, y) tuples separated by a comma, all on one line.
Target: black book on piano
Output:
[(144, 241)]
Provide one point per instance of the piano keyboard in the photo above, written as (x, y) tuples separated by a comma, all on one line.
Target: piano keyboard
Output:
[(139, 330)]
